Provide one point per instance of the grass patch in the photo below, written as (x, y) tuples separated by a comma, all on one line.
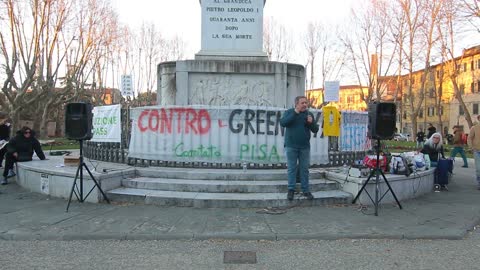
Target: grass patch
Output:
[(59, 144), (398, 147)]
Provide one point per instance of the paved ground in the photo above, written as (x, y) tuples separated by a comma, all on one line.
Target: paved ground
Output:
[(446, 215)]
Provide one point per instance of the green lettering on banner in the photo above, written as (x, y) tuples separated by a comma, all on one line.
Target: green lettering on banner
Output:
[(261, 153), (100, 131), (105, 120), (200, 151)]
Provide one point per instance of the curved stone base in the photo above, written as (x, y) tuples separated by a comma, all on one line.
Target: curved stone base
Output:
[(195, 187), (404, 187)]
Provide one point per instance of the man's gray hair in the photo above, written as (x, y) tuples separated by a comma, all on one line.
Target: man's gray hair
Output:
[(297, 99)]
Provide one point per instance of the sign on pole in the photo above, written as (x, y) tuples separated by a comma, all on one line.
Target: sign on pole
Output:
[(332, 89), (127, 86)]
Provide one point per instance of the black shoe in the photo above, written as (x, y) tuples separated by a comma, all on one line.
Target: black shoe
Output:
[(308, 195), (290, 194), (4, 181), (465, 166), (444, 188)]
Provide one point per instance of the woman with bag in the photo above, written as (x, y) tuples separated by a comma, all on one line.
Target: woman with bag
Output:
[(434, 149)]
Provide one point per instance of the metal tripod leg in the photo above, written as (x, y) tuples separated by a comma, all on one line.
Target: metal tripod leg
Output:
[(73, 187), (96, 184), (363, 187)]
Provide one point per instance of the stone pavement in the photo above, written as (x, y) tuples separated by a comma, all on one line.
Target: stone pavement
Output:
[(446, 215)]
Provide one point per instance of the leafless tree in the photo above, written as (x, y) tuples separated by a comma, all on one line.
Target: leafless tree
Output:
[(371, 48), (277, 42), (471, 10), (449, 28), (322, 44), (27, 50)]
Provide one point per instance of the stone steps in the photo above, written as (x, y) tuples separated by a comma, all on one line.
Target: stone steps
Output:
[(224, 200), (222, 186), (222, 174)]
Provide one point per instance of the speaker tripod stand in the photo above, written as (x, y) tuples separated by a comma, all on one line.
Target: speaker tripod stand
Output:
[(78, 190), (377, 172)]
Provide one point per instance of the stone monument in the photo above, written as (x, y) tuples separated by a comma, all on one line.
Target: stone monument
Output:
[(231, 67)]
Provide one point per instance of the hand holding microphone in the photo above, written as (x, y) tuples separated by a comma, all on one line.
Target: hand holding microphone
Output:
[(309, 119)]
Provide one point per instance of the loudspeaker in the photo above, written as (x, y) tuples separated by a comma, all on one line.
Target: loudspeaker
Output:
[(381, 120), (78, 121)]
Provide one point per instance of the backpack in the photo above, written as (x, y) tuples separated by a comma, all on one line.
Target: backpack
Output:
[(399, 165)]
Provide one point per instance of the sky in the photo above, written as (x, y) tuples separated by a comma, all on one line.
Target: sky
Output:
[(183, 17)]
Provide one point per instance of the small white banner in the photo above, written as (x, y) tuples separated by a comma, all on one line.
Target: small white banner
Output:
[(353, 132), (107, 124), (44, 183), (332, 89)]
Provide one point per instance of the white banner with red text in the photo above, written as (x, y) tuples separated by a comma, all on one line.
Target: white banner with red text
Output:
[(198, 133)]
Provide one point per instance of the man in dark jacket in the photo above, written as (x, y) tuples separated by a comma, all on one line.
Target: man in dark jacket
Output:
[(298, 123), (5, 127), (20, 148), (431, 129)]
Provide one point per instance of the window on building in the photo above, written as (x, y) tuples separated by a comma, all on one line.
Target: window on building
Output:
[(478, 63), (472, 66), (460, 110), (462, 89), (420, 114), (464, 66), (431, 93), (472, 87), (440, 110), (478, 86), (431, 111), (404, 115), (475, 108)]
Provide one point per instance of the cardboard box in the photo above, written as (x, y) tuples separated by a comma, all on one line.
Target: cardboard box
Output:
[(71, 160)]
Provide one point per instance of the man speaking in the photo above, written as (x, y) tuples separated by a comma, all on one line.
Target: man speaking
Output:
[(299, 123)]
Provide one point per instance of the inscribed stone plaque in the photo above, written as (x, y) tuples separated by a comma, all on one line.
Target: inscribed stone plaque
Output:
[(233, 27)]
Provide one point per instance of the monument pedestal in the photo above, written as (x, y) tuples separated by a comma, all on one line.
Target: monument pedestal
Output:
[(230, 82)]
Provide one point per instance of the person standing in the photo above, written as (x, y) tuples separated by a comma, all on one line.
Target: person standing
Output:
[(5, 127), (473, 141), (299, 124), (431, 129), (21, 148), (458, 144), (420, 138)]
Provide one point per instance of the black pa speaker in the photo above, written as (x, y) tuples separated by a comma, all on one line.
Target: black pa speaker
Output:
[(78, 121), (381, 120)]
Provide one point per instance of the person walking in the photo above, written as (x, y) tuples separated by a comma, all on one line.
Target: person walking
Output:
[(420, 138), (458, 145), (21, 148), (299, 123), (473, 140), (5, 127)]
